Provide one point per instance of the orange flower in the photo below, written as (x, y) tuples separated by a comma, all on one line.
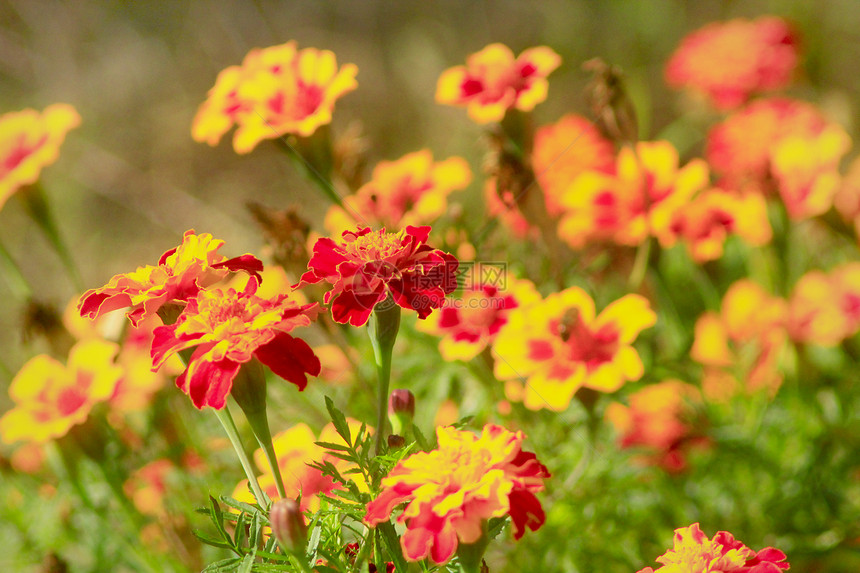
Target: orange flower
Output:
[(739, 148), (148, 486), (230, 328), (640, 199), (276, 91), (410, 191), (180, 274), (847, 196), (564, 150), (30, 141), (658, 419), (806, 169), (693, 552), (365, 267), (743, 341), (558, 345), (469, 322), (824, 308), (295, 450), (727, 62), (50, 398), (493, 81), (453, 489), (711, 216), (503, 205)]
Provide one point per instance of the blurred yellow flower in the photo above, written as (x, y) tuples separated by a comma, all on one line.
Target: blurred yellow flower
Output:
[(29, 141), (276, 91)]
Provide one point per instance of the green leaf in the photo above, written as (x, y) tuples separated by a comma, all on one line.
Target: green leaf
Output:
[(392, 545), (218, 518), (240, 505), (332, 446), (239, 535), (419, 437), (228, 564), (247, 563), (339, 420), (204, 538)]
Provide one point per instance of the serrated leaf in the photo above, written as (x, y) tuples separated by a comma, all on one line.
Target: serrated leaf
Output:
[(240, 505), (218, 518), (239, 535), (247, 563), (333, 446), (339, 420), (255, 531), (392, 545), (419, 437)]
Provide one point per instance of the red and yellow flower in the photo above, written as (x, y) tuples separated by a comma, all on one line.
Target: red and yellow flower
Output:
[(469, 322), (659, 420), (824, 308), (563, 151), (410, 191), (714, 214), (693, 552), (639, 199), (550, 349), (744, 341), (276, 91), (367, 266), (295, 450), (180, 274), (30, 141), (452, 490), (228, 329), (51, 397), (727, 62), (494, 81)]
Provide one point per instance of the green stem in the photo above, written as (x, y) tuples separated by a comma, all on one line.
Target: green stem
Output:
[(383, 326), (230, 427), (640, 265), (13, 275), (37, 206)]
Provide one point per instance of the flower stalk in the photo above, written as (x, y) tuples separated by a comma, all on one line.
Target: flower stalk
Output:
[(226, 420), (383, 327)]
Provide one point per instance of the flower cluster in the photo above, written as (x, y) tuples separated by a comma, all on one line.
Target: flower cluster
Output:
[(452, 491), (276, 91), (693, 552)]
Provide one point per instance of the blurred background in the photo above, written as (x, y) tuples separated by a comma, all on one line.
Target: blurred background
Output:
[(130, 180)]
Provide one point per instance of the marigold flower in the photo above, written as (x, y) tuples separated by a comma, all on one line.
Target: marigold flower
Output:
[(659, 419), (806, 170), (295, 450), (493, 81), (230, 328), (147, 487), (181, 273), (739, 149), (693, 552), (276, 91), (502, 204), (29, 141), (746, 337), (824, 308), (727, 62), (711, 217), (51, 397), (641, 198), (365, 266), (410, 191), (452, 490), (559, 344), (564, 150), (469, 323)]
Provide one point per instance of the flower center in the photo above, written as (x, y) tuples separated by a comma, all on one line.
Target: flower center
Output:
[(581, 343)]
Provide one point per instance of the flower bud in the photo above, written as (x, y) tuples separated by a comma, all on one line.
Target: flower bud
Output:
[(401, 410), (288, 525), (396, 442)]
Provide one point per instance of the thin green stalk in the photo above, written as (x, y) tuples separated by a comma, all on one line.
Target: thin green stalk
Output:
[(383, 327), (13, 275), (226, 420), (640, 265), (37, 206)]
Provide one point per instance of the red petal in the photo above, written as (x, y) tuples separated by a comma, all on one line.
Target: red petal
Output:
[(353, 308), (247, 262), (209, 383), (526, 512), (290, 358)]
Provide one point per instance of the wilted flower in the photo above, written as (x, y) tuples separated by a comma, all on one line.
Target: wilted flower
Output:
[(493, 81), (727, 62), (29, 141), (366, 266), (181, 273), (410, 191), (228, 329), (452, 490), (693, 552), (276, 91), (51, 397), (558, 345)]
